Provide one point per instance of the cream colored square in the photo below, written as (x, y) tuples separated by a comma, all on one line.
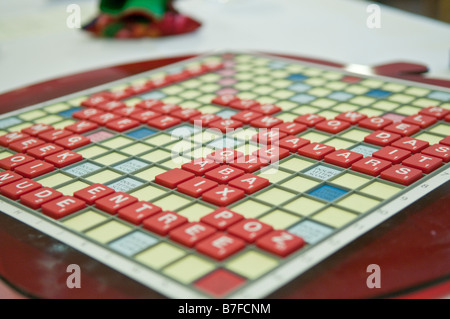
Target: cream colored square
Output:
[(135, 149), (303, 206), (110, 158), (156, 156), (85, 220), (350, 180), (132, 101), (287, 117), (370, 112), (270, 100), (425, 102), (300, 184), (358, 203), (59, 107), (209, 109), (279, 219), (117, 142), (5, 154), (407, 110), (189, 269), (380, 190), (31, 115), (247, 96), (430, 138), (159, 139), (345, 107), (362, 100), (417, 91), (92, 151), (172, 202), (336, 85), (71, 188), (305, 109), (160, 255), (148, 193), (103, 176), (109, 231), (356, 89), (443, 129), (207, 98), (251, 264), (393, 87), (355, 134), (334, 217), (315, 81), (285, 105), (171, 100), (172, 90), (275, 196), (50, 119), (372, 83), (296, 164), (54, 180), (401, 98), (250, 208), (273, 174), (329, 115), (338, 143), (315, 137), (319, 92), (194, 212), (323, 103), (63, 124)]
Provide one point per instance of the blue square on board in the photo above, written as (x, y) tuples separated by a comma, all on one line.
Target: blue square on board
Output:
[(297, 77), (378, 93), (302, 98), (328, 193), (226, 114), (340, 96), (69, 112), (141, 133)]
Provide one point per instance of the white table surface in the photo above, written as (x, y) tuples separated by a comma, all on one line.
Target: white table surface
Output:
[(36, 44)]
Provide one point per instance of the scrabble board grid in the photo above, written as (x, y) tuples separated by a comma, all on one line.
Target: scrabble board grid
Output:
[(106, 159)]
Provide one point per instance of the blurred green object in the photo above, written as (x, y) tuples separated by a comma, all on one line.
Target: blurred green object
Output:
[(153, 8)]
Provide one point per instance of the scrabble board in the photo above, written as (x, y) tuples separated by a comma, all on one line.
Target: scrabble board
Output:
[(224, 176)]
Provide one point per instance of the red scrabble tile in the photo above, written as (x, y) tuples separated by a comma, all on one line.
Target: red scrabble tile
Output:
[(145, 116), (410, 144), (110, 106), (266, 122), (204, 119), (164, 122), (243, 104), (221, 218), (162, 223), (249, 183), (41, 151), (62, 206), (16, 189), (127, 111), (292, 143), (224, 174), (219, 283), (185, 114), (7, 177), (315, 150), (371, 166), (392, 154), (403, 129), (196, 186), (271, 153), (381, 138), (435, 111), (149, 104), (342, 158), (220, 246), (15, 160), (224, 100), (309, 119), (291, 128), (425, 163), (87, 113), (25, 144), (51, 136), (445, 141), (93, 192), (280, 242), (223, 195), (81, 127), (191, 233), (8, 138), (249, 163), (246, 116), (351, 117), (34, 169), (137, 212), (249, 229), (268, 137), (140, 88), (160, 82), (199, 166), (173, 177), (225, 155), (95, 101), (447, 118), (40, 196), (438, 150), (401, 174), (36, 129), (225, 125), (419, 119), (63, 158), (123, 124), (266, 109), (73, 141), (114, 202), (104, 118), (375, 123), (332, 126), (166, 108)]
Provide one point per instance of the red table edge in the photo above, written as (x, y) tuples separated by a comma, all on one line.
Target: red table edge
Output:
[(54, 88)]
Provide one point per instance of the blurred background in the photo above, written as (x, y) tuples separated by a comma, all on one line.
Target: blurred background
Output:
[(36, 43)]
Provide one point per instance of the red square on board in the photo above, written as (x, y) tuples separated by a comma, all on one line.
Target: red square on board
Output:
[(271, 153), (249, 183), (392, 154), (266, 122), (112, 203), (219, 283), (401, 174), (162, 223), (7, 177), (249, 163), (25, 144), (63, 158), (82, 127), (371, 166), (16, 189), (196, 186), (62, 206), (223, 174), (342, 158), (137, 212), (15, 160), (221, 218), (36, 129), (315, 150), (73, 141), (266, 109), (191, 233), (351, 117), (438, 150), (164, 122), (93, 192), (40, 196), (291, 127), (410, 144), (225, 125), (381, 138), (403, 129), (86, 113), (123, 124), (44, 150), (173, 177), (246, 116), (435, 111), (280, 242), (223, 195), (332, 126), (249, 229), (200, 166), (375, 123), (8, 138), (34, 169), (243, 104), (309, 119), (292, 143), (419, 119), (425, 163), (220, 246)]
